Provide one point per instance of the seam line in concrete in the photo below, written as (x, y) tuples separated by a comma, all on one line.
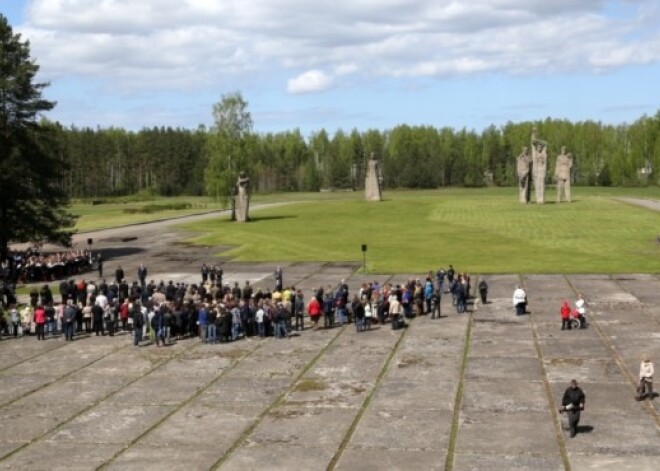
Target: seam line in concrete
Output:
[(278, 400), (556, 421), (458, 399), (181, 406), (366, 402)]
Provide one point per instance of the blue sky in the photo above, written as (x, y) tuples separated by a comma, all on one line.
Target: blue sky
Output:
[(365, 64)]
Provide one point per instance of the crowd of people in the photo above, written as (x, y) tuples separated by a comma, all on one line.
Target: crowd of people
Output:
[(216, 312), (33, 266)]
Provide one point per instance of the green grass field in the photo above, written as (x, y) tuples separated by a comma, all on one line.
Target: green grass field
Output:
[(115, 212), (476, 230)]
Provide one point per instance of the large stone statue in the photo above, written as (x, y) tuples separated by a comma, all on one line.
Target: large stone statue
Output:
[(539, 165), (524, 168), (372, 181), (563, 175), (241, 198)]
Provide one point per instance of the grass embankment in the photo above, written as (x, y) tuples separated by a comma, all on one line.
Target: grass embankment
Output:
[(479, 230)]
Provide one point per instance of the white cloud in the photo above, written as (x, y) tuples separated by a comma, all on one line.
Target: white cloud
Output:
[(188, 44), (309, 82)]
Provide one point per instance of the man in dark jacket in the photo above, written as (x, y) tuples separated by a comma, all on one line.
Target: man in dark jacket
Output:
[(97, 318), (572, 403)]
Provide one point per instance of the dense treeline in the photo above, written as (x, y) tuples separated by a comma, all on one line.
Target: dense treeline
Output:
[(168, 161)]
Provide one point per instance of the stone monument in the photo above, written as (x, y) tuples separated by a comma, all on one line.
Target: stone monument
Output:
[(241, 198), (524, 168), (539, 165), (563, 175), (373, 180)]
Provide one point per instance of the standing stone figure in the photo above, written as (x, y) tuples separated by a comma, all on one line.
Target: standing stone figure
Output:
[(241, 198), (372, 182), (563, 175), (539, 165), (524, 168)]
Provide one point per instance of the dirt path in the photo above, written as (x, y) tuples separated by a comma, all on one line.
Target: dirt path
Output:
[(648, 204)]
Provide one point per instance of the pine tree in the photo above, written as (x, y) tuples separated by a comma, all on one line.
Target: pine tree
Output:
[(33, 200)]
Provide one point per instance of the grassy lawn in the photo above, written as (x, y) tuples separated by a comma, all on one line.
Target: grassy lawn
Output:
[(117, 212), (113, 213), (476, 230)]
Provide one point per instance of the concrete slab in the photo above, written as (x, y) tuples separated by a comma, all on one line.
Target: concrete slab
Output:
[(111, 424), (563, 370), (502, 396), (512, 462), (390, 459), (279, 458), (25, 422), (419, 430), (527, 369), (173, 458), (51, 456), (615, 434), (603, 462), (506, 433), (219, 426), (314, 427), (396, 394)]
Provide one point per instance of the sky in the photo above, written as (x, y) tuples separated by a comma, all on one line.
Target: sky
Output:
[(344, 64)]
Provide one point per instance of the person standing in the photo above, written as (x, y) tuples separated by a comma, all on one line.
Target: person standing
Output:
[(483, 291), (646, 378), (97, 317), (435, 304), (138, 324), (520, 300), (99, 264), (142, 275), (328, 312), (279, 279), (218, 274), (314, 311), (581, 308), (572, 403), (40, 321), (205, 273), (119, 274), (565, 313), (69, 319)]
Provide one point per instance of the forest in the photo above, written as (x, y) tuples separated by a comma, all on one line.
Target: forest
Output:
[(169, 162)]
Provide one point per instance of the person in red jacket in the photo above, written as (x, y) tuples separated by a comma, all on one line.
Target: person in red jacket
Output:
[(40, 321), (565, 312), (314, 311), (123, 315)]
